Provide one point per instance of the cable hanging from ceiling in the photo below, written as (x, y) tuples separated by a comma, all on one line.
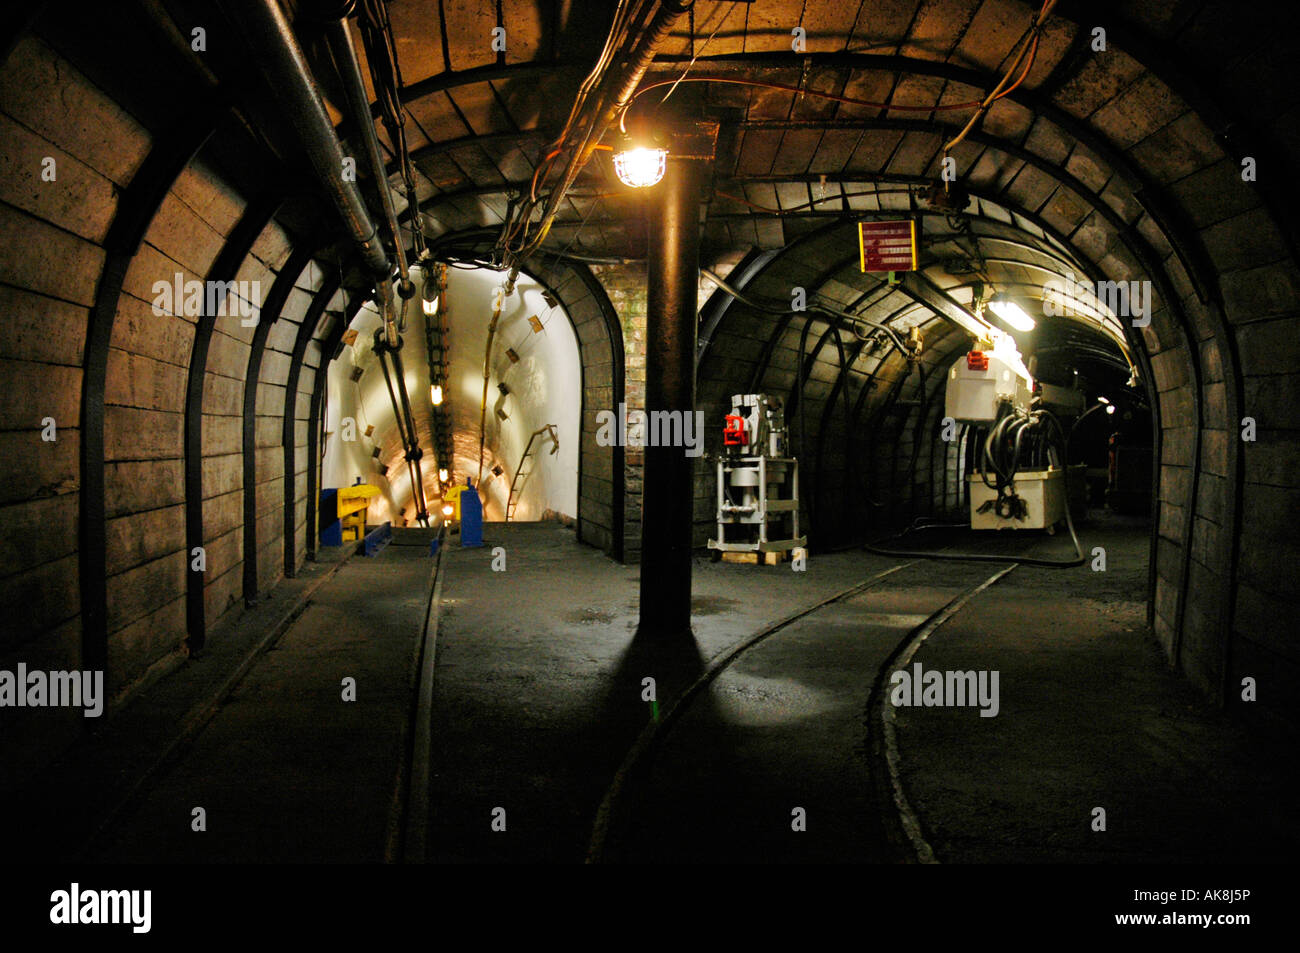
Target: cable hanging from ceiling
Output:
[(1026, 52), (637, 30), (386, 78), (514, 243)]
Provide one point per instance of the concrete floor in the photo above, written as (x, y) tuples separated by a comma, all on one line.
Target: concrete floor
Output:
[(781, 729), (537, 695), (1091, 717), (288, 770), (537, 703)]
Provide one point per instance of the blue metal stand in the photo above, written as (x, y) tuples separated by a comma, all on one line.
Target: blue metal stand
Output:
[(471, 517), (376, 539)]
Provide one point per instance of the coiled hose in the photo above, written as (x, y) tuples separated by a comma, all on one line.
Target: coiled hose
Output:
[(1011, 427)]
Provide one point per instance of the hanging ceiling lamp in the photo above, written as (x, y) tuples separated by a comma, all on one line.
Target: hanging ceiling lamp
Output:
[(640, 166)]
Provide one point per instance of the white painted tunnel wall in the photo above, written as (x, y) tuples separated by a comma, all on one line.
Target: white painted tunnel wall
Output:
[(366, 402), (545, 388)]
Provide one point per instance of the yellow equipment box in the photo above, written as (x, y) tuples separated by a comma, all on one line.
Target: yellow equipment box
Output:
[(353, 502)]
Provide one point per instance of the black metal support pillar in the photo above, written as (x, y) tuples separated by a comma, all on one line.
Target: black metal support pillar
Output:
[(270, 314), (289, 434), (238, 246), (135, 213), (667, 501)]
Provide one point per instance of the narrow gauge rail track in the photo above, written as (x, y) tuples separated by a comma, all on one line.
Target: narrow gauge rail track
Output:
[(616, 813)]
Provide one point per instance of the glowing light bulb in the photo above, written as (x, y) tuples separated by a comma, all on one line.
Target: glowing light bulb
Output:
[(442, 475), (640, 167), (1012, 314), (429, 294), (435, 394), (448, 509)]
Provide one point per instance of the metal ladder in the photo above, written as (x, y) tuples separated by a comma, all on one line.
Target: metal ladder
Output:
[(515, 486)]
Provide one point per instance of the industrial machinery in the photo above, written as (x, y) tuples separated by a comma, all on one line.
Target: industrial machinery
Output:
[(1018, 481), (343, 513), (1017, 478), (758, 484), (981, 383)]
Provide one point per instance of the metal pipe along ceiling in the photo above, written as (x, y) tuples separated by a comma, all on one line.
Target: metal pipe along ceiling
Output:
[(276, 49), (345, 58)]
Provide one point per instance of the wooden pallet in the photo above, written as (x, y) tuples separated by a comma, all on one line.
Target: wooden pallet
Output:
[(755, 558)]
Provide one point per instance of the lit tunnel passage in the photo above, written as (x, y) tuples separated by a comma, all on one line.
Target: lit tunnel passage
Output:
[(537, 367), (864, 418), (304, 249), (534, 382)]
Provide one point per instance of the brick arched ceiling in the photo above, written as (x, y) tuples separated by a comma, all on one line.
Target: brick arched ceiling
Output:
[(479, 117), (961, 258), (1128, 158)]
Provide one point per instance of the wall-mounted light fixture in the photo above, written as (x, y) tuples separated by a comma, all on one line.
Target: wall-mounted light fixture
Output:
[(1011, 313), (435, 394), (429, 293)]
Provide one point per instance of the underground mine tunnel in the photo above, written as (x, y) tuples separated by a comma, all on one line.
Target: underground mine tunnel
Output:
[(648, 430)]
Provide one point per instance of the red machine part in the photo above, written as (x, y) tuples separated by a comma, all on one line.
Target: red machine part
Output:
[(977, 361), (734, 433)]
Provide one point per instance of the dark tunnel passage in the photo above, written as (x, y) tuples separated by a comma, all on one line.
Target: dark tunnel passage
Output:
[(318, 321)]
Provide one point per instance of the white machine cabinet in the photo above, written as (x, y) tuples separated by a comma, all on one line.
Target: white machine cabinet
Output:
[(980, 382), (1043, 492)]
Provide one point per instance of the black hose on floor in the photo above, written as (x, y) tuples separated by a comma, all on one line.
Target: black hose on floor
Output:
[(1079, 559)]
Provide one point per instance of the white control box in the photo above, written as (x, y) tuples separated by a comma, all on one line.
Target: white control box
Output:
[(1042, 490), (978, 382)]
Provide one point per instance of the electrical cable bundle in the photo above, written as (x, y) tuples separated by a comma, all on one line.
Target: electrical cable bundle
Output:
[(1002, 454), (578, 137), (1013, 429), (386, 77)]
